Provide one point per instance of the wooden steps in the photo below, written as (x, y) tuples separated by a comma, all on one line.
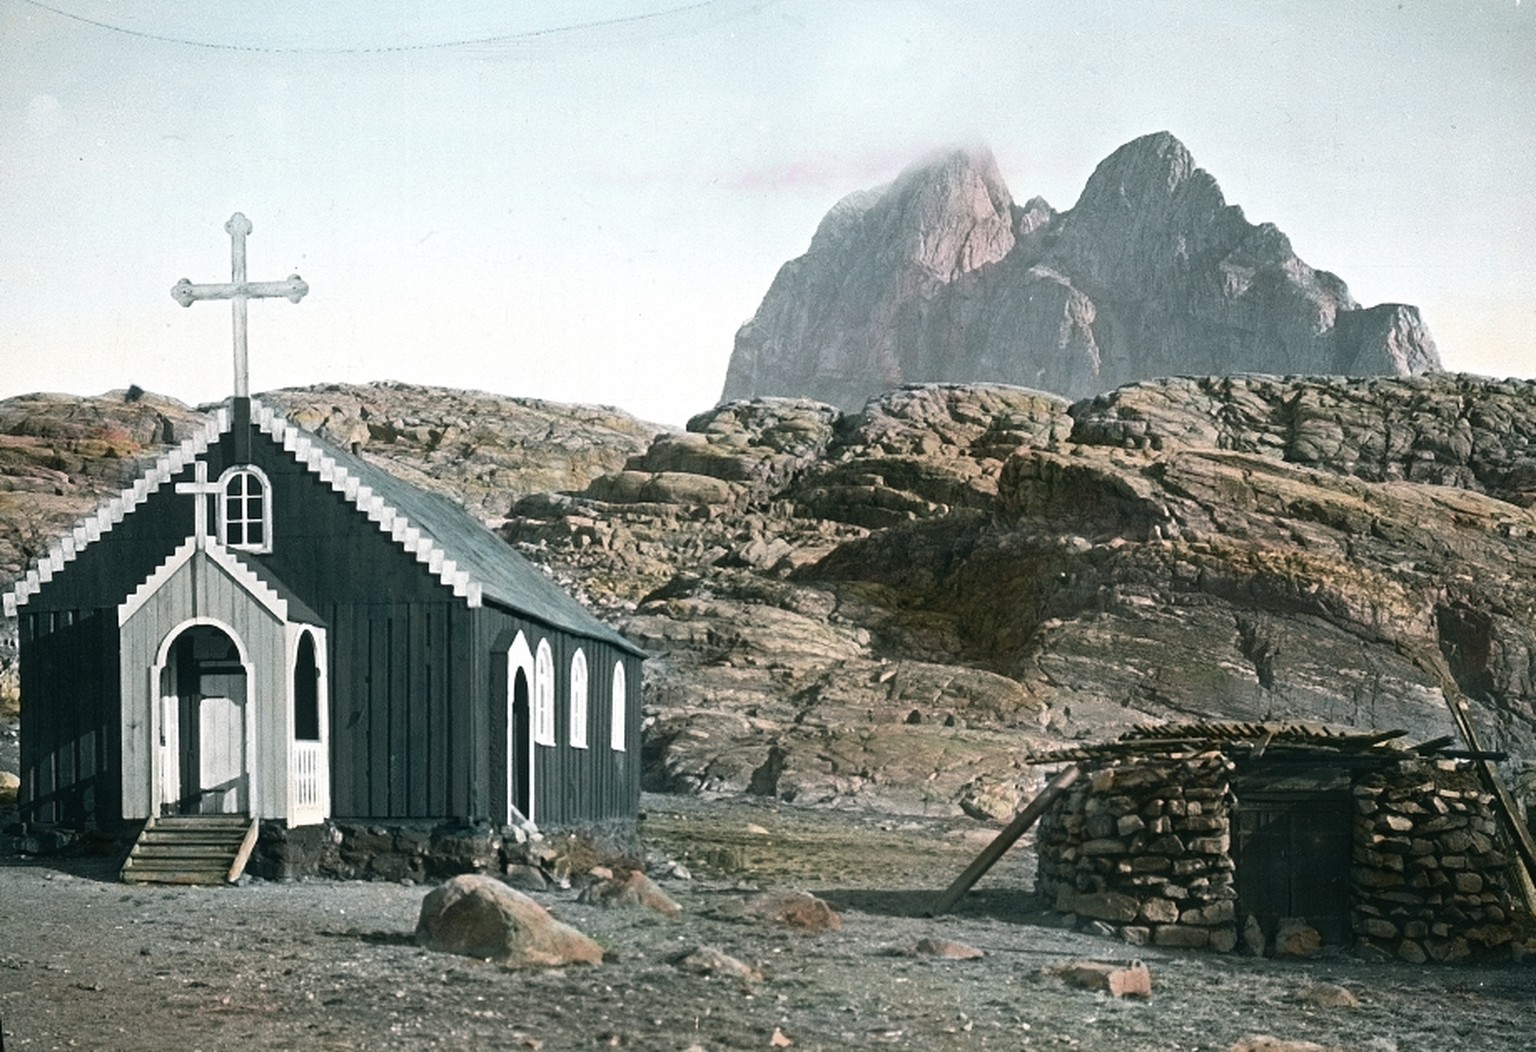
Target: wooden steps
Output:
[(191, 849)]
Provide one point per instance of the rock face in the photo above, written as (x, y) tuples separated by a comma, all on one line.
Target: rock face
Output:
[(941, 277), (891, 606)]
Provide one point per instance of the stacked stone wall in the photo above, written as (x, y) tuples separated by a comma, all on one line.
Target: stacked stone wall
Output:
[(1433, 876), (1144, 847)]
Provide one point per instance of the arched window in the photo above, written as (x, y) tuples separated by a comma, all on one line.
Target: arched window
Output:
[(544, 695), (306, 692), (245, 509), (616, 736), (578, 729)]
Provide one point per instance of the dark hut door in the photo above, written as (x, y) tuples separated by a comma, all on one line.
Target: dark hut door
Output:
[(1292, 857)]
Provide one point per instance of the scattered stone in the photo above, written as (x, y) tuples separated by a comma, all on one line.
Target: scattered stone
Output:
[(779, 1039), (479, 916), (633, 888), (1294, 937), (524, 877), (1266, 1043), (1129, 980), (1330, 995), (1253, 936), (795, 909), (944, 949), (708, 961)]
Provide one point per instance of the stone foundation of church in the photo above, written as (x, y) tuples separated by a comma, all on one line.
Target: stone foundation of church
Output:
[(428, 852)]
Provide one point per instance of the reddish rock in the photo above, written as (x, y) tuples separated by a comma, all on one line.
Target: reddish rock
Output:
[(1294, 937), (479, 916), (632, 888), (796, 909), (1129, 980)]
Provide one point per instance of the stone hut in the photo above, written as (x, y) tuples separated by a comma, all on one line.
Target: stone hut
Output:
[(1279, 839)]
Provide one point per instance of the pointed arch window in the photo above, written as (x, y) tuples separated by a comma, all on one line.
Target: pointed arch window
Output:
[(619, 709), (578, 714), (245, 509), (544, 694)]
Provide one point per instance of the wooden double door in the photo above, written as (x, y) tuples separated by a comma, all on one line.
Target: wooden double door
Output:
[(1292, 852), (205, 764)]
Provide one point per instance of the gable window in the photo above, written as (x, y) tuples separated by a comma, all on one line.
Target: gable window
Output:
[(245, 510), (578, 727), (620, 701), (544, 695)]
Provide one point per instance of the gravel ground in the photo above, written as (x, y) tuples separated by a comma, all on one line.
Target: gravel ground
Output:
[(86, 962)]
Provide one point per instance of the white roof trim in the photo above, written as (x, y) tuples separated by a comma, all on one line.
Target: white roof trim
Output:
[(391, 522), (389, 519), (221, 557), (100, 522)]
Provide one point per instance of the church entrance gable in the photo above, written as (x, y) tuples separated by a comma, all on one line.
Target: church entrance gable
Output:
[(209, 667)]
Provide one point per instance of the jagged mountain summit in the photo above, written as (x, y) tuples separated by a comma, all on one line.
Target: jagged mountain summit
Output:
[(942, 277)]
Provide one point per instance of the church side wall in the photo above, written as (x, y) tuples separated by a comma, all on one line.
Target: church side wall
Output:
[(571, 785), (402, 679), (70, 750)]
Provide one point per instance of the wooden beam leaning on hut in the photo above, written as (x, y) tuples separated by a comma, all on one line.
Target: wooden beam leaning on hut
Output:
[(1503, 803), (1006, 839)]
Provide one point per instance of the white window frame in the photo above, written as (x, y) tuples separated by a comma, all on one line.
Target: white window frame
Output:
[(578, 710), (228, 478), (544, 694), (619, 709)]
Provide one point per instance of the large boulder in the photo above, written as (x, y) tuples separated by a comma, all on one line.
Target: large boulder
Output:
[(479, 916)]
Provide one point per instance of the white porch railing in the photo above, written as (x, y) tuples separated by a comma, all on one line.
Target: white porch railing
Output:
[(310, 781)]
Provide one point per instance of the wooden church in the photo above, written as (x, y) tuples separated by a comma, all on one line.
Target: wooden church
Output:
[(268, 626)]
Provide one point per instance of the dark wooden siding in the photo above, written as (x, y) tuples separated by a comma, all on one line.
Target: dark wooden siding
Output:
[(571, 785), (71, 745), (417, 729)]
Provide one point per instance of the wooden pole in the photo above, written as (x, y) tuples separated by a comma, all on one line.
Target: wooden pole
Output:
[(1006, 839), (1503, 803)]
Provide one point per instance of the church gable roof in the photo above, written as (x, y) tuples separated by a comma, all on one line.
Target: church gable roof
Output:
[(456, 548)]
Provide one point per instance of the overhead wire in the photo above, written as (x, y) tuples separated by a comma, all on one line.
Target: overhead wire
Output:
[(502, 38)]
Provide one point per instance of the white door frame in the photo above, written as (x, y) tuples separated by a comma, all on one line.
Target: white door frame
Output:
[(165, 729)]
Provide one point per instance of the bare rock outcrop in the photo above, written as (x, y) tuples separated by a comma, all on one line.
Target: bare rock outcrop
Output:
[(941, 277), (958, 572)]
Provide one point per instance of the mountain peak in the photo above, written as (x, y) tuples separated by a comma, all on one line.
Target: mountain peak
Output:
[(940, 277)]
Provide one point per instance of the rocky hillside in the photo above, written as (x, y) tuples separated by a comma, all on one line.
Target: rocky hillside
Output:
[(892, 607), (942, 277)]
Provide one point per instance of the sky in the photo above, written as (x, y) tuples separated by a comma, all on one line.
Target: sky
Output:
[(583, 200)]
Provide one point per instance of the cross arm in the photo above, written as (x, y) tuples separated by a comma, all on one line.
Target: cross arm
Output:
[(293, 289)]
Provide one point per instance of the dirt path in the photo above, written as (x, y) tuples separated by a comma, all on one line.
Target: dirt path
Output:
[(89, 963)]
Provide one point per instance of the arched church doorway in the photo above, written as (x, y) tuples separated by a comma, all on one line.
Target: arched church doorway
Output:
[(204, 766), (520, 747)]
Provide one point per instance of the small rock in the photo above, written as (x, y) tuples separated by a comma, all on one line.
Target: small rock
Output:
[(525, 877), (1266, 1043), (1294, 937), (1130, 980), (779, 1039), (631, 889), (708, 961), (944, 949), (1253, 936), (1330, 995), (797, 909)]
